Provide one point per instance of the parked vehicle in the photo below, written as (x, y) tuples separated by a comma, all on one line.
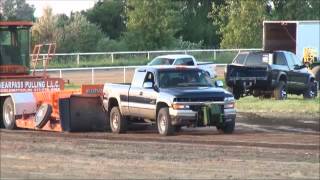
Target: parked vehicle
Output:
[(299, 37), (172, 97), (266, 74), (183, 60)]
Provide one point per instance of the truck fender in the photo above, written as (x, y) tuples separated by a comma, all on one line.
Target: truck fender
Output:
[(280, 77), (24, 103), (110, 100)]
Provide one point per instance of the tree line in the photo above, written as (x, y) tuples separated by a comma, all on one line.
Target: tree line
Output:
[(119, 25)]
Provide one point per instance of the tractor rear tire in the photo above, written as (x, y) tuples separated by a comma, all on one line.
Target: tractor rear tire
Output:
[(118, 123), (9, 119)]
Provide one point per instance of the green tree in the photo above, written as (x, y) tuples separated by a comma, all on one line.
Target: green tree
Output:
[(296, 9), (45, 29), (197, 24), (110, 16), (16, 10), (241, 22), (80, 35), (152, 24)]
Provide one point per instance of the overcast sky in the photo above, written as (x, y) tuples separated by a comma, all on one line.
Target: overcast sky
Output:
[(61, 6)]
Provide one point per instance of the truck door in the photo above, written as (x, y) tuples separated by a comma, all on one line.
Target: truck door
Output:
[(296, 77), (136, 99), (149, 95)]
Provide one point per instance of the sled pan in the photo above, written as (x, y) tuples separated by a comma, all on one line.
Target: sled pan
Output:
[(81, 113)]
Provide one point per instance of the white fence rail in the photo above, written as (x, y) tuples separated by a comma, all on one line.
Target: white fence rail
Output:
[(211, 54), (123, 72)]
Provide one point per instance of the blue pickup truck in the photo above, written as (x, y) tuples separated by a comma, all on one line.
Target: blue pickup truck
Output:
[(171, 97)]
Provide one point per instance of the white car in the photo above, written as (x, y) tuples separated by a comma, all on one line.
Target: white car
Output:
[(183, 60)]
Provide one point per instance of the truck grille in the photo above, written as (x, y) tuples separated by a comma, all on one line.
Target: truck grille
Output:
[(199, 99)]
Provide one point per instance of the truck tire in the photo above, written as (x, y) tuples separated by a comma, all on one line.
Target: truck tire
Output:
[(280, 92), (165, 127), (9, 120), (43, 115), (227, 127), (316, 72), (311, 91), (235, 91), (118, 123)]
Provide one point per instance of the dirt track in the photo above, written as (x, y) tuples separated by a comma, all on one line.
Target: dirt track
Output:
[(261, 147)]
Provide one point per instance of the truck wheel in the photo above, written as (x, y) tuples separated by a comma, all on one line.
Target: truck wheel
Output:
[(165, 127), (311, 92), (227, 127), (9, 120), (43, 115), (316, 72), (118, 123), (177, 128), (280, 92), (236, 93)]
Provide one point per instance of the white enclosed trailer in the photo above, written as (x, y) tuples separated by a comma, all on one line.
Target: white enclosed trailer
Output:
[(291, 36)]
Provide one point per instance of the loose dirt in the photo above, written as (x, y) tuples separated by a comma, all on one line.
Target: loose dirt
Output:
[(260, 148)]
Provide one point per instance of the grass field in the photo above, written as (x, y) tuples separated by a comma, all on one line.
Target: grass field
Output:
[(294, 104)]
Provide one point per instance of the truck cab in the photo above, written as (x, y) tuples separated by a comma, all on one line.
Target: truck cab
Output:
[(171, 97)]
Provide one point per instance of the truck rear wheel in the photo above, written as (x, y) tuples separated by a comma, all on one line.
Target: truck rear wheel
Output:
[(280, 92), (165, 127), (9, 120), (118, 123)]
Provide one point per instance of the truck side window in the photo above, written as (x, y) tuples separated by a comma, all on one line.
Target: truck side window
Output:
[(280, 59), (138, 79), (184, 61), (240, 58), (149, 77)]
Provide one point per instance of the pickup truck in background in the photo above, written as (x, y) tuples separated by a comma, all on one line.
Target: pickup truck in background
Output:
[(171, 97), (269, 74), (183, 60)]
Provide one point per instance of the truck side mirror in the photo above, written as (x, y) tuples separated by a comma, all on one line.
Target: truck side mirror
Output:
[(218, 83), (147, 85)]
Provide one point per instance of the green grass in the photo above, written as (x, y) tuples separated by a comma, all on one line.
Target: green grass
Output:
[(294, 104), (71, 86)]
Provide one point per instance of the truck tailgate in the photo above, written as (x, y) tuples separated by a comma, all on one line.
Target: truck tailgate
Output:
[(239, 72)]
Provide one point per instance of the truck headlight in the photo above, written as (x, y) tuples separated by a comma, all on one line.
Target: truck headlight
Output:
[(180, 106), (229, 102)]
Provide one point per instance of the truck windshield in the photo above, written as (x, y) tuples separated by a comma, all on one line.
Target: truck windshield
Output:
[(161, 61), (14, 46), (183, 78)]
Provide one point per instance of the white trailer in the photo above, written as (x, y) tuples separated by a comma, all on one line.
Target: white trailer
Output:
[(291, 36)]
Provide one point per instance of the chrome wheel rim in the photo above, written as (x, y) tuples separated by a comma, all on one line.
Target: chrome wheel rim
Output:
[(162, 124), (283, 93), (115, 120), (8, 114)]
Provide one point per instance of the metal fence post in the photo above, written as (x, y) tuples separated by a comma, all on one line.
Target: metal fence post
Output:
[(124, 74), (92, 76), (60, 73), (148, 55), (78, 59), (185, 51), (112, 58), (214, 55)]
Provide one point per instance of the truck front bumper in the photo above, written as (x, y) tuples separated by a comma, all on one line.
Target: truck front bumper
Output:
[(187, 117)]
